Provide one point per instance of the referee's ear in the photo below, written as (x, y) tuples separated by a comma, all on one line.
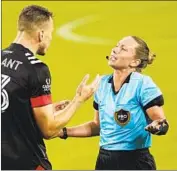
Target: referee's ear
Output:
[(135, 63)]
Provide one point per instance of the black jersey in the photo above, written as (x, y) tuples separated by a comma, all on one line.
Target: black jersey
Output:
[(25, 83)]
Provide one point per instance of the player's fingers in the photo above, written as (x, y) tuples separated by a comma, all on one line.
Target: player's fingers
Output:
[(82, 83), (97, 84), (94, 85), (84, 80), (95, 81)]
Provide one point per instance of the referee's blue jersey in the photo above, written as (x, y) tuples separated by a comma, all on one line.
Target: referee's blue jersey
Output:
[(122, 114)]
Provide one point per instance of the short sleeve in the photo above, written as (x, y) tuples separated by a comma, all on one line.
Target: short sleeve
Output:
[(150, 94), (40, 83), (97, 95), (96, 101)]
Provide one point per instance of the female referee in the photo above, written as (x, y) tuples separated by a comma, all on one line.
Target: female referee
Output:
[(128, 109)]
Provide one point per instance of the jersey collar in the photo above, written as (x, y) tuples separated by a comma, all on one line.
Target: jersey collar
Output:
[(127, 80), (21, 47)]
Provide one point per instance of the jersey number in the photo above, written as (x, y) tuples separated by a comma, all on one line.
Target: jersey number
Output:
[(4, 96)]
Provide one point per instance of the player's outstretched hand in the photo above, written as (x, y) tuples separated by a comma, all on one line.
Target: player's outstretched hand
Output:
[(84, 91)]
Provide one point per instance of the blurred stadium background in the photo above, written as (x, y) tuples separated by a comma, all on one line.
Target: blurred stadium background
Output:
[(70, 60)]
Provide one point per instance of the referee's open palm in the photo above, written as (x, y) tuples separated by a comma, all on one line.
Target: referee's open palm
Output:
[(84, 92), (156, 125)]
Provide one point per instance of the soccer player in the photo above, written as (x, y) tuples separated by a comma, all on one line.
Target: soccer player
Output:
[(128, 109), (28, 114)]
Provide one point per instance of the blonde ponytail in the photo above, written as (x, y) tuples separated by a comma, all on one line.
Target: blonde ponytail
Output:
[(151, 57)]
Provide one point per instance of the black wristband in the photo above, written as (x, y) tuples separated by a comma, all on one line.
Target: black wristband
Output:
[(65, 135)]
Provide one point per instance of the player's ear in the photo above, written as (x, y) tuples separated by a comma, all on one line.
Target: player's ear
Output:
[(135, 63), (41, 35)]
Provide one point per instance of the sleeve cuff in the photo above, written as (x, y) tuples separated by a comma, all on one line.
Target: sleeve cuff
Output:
[(41, 100), (95, 105), (158, 101)]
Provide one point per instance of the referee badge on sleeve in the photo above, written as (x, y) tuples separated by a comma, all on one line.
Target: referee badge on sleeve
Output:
[(122, 117)]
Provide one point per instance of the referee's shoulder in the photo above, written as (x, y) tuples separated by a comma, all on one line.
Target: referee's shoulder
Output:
[(142, 78), (139, 76), (105, 77)]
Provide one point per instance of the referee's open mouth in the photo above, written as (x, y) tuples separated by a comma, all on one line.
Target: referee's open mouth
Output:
[(112, 58)]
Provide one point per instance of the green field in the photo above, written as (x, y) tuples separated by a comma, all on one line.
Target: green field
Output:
[(69, 60)]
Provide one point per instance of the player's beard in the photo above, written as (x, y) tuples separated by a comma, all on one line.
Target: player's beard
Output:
[(41, 50)]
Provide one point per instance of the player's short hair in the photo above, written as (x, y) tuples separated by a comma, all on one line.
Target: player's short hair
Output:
[(143, 53), (33, 16)]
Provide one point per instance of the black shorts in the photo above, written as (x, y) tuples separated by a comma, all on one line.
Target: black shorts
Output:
[(7, 164), (125, 160)]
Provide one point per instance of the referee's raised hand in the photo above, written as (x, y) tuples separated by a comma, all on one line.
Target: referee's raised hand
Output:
[(84, 91)]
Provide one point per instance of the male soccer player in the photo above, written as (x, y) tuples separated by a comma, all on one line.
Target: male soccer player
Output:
[(28, 114)]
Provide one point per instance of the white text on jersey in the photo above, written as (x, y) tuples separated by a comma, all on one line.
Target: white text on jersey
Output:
[(10, 63)]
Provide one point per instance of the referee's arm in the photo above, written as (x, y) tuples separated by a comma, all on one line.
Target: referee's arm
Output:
[(155, 113), (88, 129), (154, 110), (152, 101)]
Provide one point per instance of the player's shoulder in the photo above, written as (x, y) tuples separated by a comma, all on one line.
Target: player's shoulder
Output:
[(14, 50), (33, 61), (37, 65), (8, 53), (5, 52)]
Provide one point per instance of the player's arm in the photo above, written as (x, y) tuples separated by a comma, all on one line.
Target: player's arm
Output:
[(153, 101), (60, 105), (88, 129), (49, 120)]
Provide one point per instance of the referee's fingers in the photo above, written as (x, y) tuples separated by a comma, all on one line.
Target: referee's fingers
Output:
[(152, 127), (149, 127), (146, 127), (161, 121), (155, 123)]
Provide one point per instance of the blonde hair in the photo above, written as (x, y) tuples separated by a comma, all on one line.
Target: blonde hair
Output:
[(143, 53)]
